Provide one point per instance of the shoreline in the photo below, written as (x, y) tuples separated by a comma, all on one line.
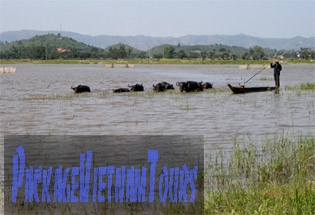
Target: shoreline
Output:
[(156, 62)]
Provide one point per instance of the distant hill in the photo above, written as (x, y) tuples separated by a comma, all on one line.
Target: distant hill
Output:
[(51, 46), (147, 42), (49, 41)]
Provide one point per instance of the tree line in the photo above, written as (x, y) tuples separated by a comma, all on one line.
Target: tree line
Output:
[(122, 51), (38, 52), (232, 53)]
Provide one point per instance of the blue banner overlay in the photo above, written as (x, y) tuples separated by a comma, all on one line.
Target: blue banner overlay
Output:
[(121, 172)]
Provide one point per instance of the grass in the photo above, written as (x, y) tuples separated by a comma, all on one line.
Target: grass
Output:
[(265, 79), (308, 86), (148, 93), (305, 86), (278, 178)]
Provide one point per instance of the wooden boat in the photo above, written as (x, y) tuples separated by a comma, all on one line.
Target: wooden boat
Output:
[(238, 90)]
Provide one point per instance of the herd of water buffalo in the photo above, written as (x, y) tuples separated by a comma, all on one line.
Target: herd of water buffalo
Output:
[(185, 86)]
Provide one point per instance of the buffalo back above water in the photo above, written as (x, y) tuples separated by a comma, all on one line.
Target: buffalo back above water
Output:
[(121, 90), (207, 85), (182, 85), (81, 89), (190, 86), (162, 86), (194, 86), (136, 87)]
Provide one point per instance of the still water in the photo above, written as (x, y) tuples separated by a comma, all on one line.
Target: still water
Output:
[(37, 100)]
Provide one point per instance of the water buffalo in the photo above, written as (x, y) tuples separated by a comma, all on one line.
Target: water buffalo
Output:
[(162, 86), (159, 87), (121, 90), (168, 86), (81, 89), (182, 85), (194, 86), (136, 87), (190, 86), (207, 85)]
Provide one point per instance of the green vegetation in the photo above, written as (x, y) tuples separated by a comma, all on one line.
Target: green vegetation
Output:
[(52, 47), (48, 47), (275, 179), (148, 61), (306, 86)]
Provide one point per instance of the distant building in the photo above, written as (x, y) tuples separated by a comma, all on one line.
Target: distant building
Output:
[(298, 54), (280, 57), (62, 50)]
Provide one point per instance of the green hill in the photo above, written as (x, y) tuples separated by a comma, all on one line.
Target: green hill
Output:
[(51, 46), (144, 43), (49, 42), (48, 46), (134, 51)]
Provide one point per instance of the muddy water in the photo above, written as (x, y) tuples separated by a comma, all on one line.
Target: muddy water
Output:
[(37, 100)]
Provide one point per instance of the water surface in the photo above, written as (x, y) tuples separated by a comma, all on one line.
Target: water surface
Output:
[(37, 100)]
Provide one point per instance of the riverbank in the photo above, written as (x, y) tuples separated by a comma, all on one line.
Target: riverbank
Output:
[(156, 61)]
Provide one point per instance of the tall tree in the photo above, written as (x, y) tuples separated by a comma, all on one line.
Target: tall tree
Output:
[(169, 51), (203, 55), (257, 52), (182, 54)]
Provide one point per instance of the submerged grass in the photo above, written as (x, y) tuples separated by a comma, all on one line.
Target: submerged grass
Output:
[(278, 178), (105, 94), (305, 86)]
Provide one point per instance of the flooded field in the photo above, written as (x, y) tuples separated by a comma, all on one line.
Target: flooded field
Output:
[(37, 100)]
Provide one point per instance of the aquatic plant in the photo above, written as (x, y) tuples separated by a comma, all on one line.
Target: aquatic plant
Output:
[(277, 178), (306, 86)]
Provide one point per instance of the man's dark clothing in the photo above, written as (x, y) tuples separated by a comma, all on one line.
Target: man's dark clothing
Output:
[(276, 72)]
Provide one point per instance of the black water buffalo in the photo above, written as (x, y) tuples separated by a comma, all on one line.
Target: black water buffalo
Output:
[(207, 85), (162, 86), (182, 86), (81, 89), (159, 87), (136, 87), (168, 86), (121, 90), (194, 86), (190, 86)]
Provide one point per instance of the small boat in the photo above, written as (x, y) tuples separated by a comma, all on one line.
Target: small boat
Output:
[(238, 90)]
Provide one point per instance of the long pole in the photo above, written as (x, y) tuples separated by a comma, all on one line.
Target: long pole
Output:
[(302, 41), (265, 67)]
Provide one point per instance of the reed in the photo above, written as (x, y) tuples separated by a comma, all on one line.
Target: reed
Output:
[(265, 79), (305, 86), (276, 178)]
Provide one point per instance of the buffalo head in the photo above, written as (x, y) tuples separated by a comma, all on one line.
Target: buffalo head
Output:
[(81, 89), (136, 87)]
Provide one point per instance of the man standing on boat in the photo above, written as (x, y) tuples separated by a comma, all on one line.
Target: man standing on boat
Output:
[(276, 68)]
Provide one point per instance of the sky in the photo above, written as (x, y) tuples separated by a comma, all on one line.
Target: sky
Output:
[(161, 18)]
